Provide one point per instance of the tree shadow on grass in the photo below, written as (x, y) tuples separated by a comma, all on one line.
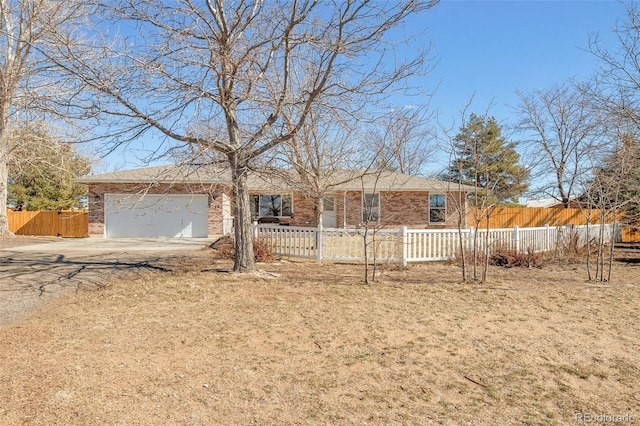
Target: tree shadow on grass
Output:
[(628, 260)]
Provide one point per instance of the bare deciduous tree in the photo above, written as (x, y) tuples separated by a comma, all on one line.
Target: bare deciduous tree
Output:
[(334, 147), (321, 153), (562, 129), (615, 86), (404, 141), (486, 166), (612, 191), (241, 63), (29, 84), (445, 136)]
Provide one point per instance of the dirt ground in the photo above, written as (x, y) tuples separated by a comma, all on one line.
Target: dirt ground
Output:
[(309, 344)]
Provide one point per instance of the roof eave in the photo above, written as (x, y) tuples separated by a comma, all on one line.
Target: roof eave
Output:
[(149, 181)]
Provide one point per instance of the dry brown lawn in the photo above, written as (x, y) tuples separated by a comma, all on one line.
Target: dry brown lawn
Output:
[(309, 344)]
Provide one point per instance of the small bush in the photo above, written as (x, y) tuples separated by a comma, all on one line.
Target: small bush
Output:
[(262, 251), (468, 258), (224, 249), (510, 258), (569, 246)]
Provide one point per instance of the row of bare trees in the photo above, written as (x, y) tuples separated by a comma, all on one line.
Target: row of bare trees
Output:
[(578, 152), (589, 135)]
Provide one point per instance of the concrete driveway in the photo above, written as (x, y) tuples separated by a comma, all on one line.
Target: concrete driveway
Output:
[(102, 245), (33, 274)]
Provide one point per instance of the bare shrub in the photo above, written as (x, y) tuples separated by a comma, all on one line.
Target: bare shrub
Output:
[(502, 256), (571, 245), (571, 248), (224, 248), (262, 251), (510, 258), (468, 259)]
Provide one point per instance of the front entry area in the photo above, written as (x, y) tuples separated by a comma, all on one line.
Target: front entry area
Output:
[(329, 212), (155, 215)]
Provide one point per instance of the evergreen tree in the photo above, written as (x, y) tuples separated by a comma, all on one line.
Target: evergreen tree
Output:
[(482, 157), (43, 180)]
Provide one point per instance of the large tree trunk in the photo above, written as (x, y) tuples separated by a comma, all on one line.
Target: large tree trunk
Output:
[(317, 212), (244, 260), (4, 180)]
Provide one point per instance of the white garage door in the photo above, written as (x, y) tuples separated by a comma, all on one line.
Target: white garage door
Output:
[(151, 215)]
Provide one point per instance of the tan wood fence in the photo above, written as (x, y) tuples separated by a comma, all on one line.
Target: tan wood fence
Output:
[(532, 217), (630, 234), (73, 223)]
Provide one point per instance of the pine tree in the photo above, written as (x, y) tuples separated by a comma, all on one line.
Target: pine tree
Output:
[(482, 157)]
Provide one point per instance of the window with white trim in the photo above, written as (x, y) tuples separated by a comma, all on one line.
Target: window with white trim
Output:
[(370, 208), (271, 205), (437, 208)]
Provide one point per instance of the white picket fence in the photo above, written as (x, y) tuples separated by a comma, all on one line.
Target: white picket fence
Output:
[(416, 245)]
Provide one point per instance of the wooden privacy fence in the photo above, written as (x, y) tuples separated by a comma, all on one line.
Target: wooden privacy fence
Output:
[(72, 223), (532, 217), (631, 234), (418, 245)]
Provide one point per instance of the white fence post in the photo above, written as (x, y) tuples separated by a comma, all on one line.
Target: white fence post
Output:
[(547, 238), (319, 244), (254, 225), (404, 248), (516, 238), (472, 238)]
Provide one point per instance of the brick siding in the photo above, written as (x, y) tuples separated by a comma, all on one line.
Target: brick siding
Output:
[(303, 210), (397, 209)]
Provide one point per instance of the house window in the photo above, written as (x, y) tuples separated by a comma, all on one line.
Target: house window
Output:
[(328, 204), (271, 205), (437, 208), (371, 208)]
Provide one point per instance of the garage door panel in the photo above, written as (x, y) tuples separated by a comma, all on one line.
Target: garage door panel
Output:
[(150, 215)]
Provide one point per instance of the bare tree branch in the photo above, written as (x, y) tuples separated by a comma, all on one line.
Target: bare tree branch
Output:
[(30, 85)]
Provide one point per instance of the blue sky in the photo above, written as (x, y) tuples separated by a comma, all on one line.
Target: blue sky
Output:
[(492, 49)]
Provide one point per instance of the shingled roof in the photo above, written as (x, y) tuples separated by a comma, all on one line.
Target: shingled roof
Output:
[(275, 179)]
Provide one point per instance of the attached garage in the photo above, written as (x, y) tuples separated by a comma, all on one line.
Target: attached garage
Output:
[(155, 215)]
